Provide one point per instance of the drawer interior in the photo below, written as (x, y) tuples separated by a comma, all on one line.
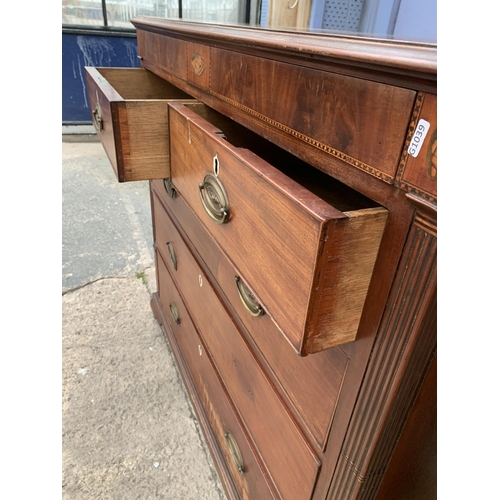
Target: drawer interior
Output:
[(139, 83), (335, 193)]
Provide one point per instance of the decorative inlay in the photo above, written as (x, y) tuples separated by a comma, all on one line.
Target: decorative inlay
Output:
[(309, 140), (354, 470), (431, 158), (427, 223), (411, 129), (198, 64), (410, 188)]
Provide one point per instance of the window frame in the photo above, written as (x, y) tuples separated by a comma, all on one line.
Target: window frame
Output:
[(105, 29)]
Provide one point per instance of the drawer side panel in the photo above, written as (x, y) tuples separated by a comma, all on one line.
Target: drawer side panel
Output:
[(103, 96), (349, 255), (268, 235)]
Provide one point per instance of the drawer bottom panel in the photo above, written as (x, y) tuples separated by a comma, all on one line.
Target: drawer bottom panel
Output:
[(239, 458)]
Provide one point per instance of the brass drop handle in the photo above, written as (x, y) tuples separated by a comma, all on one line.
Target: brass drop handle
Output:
[(97, 117), (249, 301), (174, 312), (171, 253), (214, 199), (169, 188), (234, 450)]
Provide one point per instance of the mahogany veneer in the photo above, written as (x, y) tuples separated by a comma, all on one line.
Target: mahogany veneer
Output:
[(324, 245)]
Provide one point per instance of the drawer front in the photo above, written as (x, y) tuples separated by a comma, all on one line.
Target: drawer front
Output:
[(309, 263), (167, 240), (367, 121), (245, 471), (312, 383), (129, 113), (284, 451), (167, 53)]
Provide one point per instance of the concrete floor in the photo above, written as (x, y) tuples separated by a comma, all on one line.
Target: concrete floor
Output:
[(129, 431)]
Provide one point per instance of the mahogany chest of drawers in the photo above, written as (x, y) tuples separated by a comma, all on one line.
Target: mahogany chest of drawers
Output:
[(293, 192)]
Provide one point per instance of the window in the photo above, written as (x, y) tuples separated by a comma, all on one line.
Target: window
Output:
[(117, 13), (87, 12), (401, 19)]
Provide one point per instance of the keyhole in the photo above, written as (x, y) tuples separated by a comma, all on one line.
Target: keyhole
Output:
[(216, 166)]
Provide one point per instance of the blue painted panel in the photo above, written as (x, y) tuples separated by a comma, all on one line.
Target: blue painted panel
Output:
[(88, 50)]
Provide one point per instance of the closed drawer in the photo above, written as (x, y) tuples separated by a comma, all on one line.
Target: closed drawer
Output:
[(361, 122), (129, 112), (306, 243), (231, 438), (284, 451), (313, 383)]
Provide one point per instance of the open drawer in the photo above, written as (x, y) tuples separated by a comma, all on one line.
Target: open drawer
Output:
[(129, 113), (305, 243)]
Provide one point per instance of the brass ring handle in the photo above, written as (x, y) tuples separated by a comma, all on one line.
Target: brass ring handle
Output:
[(171, 253), (97, 118), (249, 301), (174, 312), (214, 199), (234, 450), (293, 6), (169, 188)]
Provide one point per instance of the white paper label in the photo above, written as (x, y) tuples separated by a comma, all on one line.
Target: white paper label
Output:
[(418, 137)]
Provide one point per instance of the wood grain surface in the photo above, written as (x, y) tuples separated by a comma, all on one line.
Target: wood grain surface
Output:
[(135, 136), (251, 483), (364, 120), (279, 228), (312, 384), (287, 456)]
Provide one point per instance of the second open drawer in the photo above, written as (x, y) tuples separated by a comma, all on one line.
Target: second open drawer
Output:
[(306, 244)]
